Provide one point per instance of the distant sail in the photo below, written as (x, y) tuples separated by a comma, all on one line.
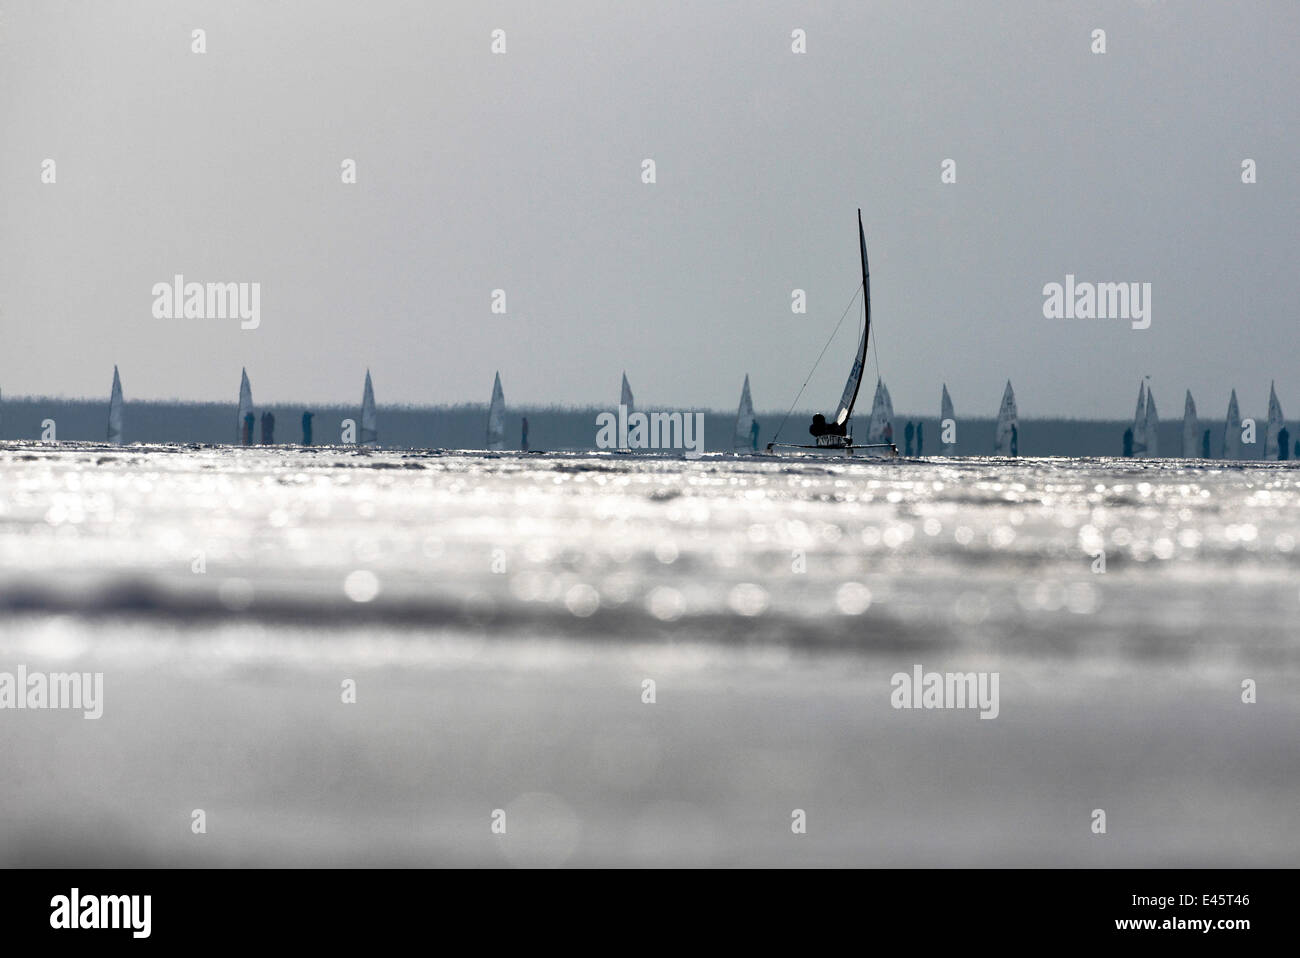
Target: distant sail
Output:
[(1006, 441), (496, 427), (244, 435), (1276, 423), (1140, 421), (881, 428), (626, 397), (1151, 426), (1191, 429), (850, 395), (369, 420), (746, 439), (946, 413), (1232, 430), (115, 411)]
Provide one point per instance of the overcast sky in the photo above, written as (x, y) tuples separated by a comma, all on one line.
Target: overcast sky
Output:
[(523, 172)]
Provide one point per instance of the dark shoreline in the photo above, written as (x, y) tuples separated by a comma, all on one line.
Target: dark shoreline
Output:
[(549, 427)]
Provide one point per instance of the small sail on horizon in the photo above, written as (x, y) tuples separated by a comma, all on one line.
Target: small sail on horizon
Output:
[(746, 436), (1191, 429), (496, 427), (369, 419), (1140, 420), (881, 428), (625, 397), (1151, 426), (115, 411), (1232, 430), (946, 415), (244, 436), (1276, 423), (1006, 440)]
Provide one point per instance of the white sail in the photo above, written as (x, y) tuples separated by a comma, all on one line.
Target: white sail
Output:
[(626, 396), (496, 427), (945, 414), (1006, 441), (1232, 430), (1276, 423), (245, 410), (1191, 429), (850, 394), (369, 420), (1140, 421), (115, 411), (746, 437), (881, 428), (1151, 426)]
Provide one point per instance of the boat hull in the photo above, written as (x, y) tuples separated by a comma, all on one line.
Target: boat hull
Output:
[(875, 450)]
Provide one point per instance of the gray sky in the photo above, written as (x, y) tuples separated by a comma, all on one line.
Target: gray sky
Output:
[(523, 172)]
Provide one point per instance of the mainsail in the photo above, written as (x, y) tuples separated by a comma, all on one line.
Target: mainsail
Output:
[(115, 411), (850, 394), (369, 421), (881, 428), (746, 438), (1006, 441), (1276, 423), (1140, 421), (244, 436), (946, 416), (625, 398), (496, 427), (1151, 426), (1232, 430), (1191, 429)]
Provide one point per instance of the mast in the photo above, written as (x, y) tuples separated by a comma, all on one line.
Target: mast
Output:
[(866, 305), (850, 396)]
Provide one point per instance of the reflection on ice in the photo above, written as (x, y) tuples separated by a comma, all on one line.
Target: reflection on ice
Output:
[(1039, 557)]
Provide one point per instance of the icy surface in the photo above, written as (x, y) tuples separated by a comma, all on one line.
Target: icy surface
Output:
[(1200, 560), (500, 613)]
